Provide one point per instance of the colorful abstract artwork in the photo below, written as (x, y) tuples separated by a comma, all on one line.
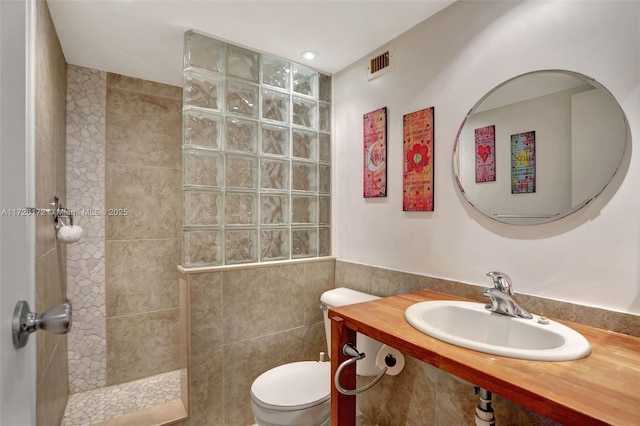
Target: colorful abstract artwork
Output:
[(523, 163), (485, 154), (375, 153), (417, 142)]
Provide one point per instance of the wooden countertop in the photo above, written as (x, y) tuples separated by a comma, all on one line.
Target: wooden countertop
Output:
[(603, 388)]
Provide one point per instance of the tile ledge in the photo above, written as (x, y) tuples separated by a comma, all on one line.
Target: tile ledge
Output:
[(204, 269), (165, 414)]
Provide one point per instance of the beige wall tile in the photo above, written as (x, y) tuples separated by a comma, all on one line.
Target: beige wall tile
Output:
[(51, 69), (318, 278), (50, 291), (245, 361), (142, 345), (263, 300), (46, 161), (144, 86), (152, 197), (206, 400), (455, 401), (509, 413), (259, 304), (314, 341), (469, 291), (61, 177), (596, 317), (377, 281), (406, 399), (206, 310), (52, 390), (141, 275), (421, 395), (143, 129), (185, 339), (143, 247), (50, 288)]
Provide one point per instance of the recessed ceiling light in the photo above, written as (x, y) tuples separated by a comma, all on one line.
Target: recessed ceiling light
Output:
[(309, 55)]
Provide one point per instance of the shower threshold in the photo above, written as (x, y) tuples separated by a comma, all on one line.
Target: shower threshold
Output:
[(156, 398)]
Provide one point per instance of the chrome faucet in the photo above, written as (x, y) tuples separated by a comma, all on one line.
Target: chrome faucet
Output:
[(500, 300)]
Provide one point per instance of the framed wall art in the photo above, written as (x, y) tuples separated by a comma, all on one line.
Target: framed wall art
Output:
[(375, 153), (418, 144), (523, 163), (485, 138)]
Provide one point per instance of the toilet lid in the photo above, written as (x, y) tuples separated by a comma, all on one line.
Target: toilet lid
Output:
[(294, 386)]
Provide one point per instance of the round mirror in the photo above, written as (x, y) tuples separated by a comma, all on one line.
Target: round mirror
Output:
[(539, 147)]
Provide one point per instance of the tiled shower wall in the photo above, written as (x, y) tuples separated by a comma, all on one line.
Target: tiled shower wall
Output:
[(50, 88), (142, 248), (256, 155), (123, 162)]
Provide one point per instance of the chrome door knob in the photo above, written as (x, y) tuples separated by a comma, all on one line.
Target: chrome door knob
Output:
[(56, 320)]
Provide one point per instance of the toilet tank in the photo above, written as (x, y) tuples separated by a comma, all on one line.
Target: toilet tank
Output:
[(344, 296)]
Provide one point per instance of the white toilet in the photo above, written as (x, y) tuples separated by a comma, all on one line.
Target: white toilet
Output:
[(297, 394)]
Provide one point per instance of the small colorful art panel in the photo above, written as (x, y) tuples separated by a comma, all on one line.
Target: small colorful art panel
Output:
[(375, 153), (523, 163), (485, 154), (418, 143)]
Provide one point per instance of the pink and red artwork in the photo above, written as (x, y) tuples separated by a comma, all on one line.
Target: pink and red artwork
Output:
[(375, 153), (485, 154), (417, 143)]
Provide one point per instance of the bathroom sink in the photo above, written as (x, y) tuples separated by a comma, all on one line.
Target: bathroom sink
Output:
[(471, 326)]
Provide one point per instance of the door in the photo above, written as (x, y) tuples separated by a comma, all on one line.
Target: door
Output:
[(17, 191)]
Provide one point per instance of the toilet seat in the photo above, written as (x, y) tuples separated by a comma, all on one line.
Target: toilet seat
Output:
[(294, 386)]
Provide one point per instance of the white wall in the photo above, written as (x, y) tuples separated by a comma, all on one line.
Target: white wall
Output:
[(450, 61), (589, 111)]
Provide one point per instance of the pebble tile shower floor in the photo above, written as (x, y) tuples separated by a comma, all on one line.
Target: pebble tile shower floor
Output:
[(87, 408)]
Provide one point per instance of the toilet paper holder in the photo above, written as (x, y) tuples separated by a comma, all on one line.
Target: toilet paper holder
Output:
[(351, 351)]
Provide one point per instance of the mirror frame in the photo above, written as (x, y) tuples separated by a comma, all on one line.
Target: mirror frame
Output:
[(536, 219)]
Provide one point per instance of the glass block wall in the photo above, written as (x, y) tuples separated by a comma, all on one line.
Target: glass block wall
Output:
[(256, 156)]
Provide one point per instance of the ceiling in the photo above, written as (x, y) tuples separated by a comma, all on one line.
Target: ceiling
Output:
[(143, 38)]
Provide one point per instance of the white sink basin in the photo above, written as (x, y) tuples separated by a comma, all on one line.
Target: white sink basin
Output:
[(471, 326)]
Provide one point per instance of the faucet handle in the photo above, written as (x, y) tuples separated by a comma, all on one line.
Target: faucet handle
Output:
[(501, 281), (492, 304)]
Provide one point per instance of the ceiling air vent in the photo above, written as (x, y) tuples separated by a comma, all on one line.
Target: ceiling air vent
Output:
[(380, 64)]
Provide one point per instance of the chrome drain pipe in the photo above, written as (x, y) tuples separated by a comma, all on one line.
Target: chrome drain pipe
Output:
[(484, 411)]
